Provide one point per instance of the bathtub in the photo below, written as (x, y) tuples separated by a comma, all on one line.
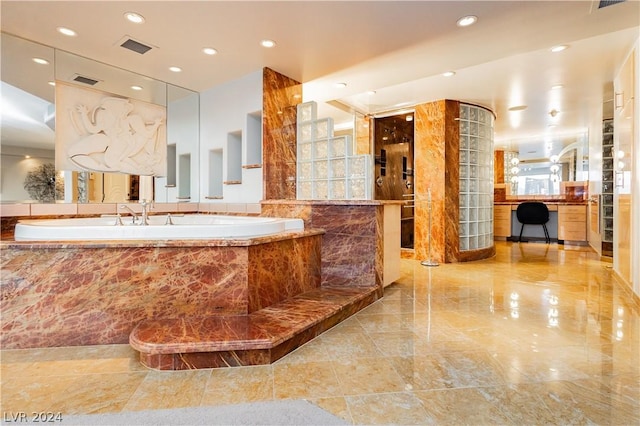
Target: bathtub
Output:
[(193, 226)]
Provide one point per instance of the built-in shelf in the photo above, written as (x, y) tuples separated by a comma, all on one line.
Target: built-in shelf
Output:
[(234, 156), (608, 183), (215, 173), (252, 166), (232, 182), (184, 176), (213, 198), (169, 186), (171, 165), (253, 148)]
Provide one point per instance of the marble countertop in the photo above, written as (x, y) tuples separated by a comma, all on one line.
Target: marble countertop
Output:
[(9, 243)]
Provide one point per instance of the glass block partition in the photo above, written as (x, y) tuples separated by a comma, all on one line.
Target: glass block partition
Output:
[(327, 168), (476, 177)]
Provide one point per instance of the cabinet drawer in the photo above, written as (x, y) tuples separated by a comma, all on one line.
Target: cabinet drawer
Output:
[(501, 212), (572, 217), (573, 210), (572, 231), (501, 228)]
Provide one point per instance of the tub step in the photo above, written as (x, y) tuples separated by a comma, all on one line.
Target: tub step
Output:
[(261, 337)]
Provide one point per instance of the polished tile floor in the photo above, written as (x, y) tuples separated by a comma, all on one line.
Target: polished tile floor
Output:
[(538, 335)]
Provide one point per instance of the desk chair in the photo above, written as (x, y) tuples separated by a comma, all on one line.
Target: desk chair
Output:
[(533, 213)]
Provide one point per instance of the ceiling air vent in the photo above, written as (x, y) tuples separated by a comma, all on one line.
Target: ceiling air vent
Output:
[(135, 46), (86, 80), (605, 3)]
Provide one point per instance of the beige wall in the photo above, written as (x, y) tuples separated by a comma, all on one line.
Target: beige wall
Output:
[(627, 195)]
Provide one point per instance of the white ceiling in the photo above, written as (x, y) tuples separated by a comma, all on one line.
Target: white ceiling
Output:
[(398, 49)]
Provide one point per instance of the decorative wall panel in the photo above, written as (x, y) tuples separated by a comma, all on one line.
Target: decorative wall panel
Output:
[(97, 131)]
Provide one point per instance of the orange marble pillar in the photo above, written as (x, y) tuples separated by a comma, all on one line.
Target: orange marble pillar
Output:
[(281, 95), (436, 160), (498, 166)]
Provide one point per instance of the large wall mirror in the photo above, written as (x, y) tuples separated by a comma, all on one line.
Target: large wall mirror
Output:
[(567, 160), (27, 145)]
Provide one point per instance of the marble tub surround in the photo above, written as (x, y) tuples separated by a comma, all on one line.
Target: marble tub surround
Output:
[(352, 246), (87, 293), (442, 347)]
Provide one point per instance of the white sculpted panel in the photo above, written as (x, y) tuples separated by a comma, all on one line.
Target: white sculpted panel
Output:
[(97, 131)]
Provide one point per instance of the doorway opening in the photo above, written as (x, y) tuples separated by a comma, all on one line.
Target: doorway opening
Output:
[(394, 180)]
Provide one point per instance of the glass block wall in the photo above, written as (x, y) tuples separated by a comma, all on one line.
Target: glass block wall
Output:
[(327, 168), (476, 177)]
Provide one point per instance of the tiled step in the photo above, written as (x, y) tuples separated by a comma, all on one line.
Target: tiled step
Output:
[(261, 337)]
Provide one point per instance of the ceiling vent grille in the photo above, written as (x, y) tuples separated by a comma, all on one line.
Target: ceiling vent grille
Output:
[(605, 3), (135, 46), (85, 80)]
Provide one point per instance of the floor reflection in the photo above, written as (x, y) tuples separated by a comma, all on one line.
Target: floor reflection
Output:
[(540, 334)]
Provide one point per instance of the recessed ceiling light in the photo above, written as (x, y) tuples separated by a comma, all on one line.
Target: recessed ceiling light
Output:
[(209, 51), (67, 31), (267, 43), (40, 61), (518, 108), (559, 48), (557, 87), (51, 83), (465, 21), (341, 85), (136, 18), (175, 69), (449, 74), (136, 87), (371, 92)]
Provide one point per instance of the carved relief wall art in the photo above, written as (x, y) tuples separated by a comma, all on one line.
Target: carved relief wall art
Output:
[(97, 131)]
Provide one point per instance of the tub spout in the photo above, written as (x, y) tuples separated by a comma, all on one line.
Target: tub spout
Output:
[(134, 215)]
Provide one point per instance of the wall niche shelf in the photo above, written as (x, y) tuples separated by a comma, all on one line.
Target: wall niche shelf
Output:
[(234, 156), (171, 165), (253, 142), (215, 174), (252, 166), (232, 182), (184, 176), (608, 163)]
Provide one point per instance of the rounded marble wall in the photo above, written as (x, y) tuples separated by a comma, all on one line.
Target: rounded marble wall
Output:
[(476, 177)]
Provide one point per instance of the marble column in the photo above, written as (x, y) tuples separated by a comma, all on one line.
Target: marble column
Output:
[(281, 94), (436, 159)]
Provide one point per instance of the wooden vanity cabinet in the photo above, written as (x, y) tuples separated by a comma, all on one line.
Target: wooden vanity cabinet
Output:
[(572, 223), (502, 220)]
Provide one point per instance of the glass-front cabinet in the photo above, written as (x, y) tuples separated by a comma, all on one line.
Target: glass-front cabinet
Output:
[(476, 177)]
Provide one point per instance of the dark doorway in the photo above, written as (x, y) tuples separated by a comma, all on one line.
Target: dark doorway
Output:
[(393, 148)]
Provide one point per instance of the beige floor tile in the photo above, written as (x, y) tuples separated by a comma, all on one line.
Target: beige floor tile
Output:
[(349, 345), (238, 385), (97, 393), (337, 406), (169, 389), (307, 380), (364, 376), (401, 408)]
